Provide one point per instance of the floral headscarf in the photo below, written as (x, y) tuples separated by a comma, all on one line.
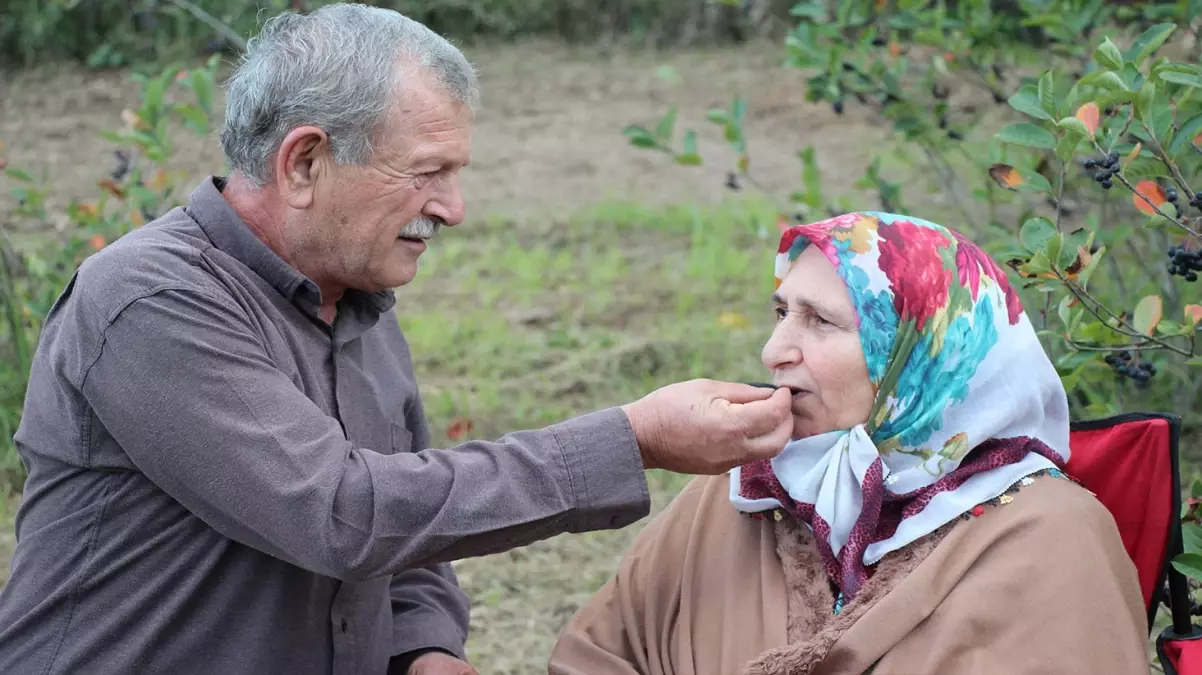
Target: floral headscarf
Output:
[(967, 402)]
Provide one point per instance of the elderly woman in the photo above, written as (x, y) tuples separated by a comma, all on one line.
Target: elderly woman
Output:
[(918, 522)]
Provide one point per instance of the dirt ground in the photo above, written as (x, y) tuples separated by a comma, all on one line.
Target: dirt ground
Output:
[(547, 140)]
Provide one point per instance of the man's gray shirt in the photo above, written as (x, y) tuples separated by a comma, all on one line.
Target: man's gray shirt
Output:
[(220, 482)]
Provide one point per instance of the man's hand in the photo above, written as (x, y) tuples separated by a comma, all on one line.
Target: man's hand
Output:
[(706, 427), (440, 663)]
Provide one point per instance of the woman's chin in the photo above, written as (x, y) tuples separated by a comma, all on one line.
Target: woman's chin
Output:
[(805, 429)]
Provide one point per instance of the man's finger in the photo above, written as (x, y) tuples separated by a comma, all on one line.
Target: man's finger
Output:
[(736, 392), (760, 417), (769, 445)]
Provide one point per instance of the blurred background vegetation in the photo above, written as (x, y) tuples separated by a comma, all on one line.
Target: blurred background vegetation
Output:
[(633, 161)]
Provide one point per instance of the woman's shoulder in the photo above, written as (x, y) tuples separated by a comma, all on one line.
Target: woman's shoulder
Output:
[(1049, 512)]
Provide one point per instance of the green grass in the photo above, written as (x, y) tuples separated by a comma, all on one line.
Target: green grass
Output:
[(516, 325)]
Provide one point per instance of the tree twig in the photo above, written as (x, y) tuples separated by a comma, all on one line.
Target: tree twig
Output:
[(208, 19), (1164, 159), (1123, 328), (1175, 221)]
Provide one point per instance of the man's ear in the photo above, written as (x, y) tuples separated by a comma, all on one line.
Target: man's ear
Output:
[(302, 157)]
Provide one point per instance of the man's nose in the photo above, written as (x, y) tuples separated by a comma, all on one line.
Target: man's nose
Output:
[(447, 205)]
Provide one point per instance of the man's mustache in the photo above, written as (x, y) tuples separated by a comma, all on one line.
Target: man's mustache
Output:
[(422, 227)]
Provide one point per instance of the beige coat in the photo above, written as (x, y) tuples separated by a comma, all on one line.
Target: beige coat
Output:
[(1040, 584)]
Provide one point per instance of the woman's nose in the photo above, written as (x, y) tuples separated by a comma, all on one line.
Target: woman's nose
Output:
[(780, 351)]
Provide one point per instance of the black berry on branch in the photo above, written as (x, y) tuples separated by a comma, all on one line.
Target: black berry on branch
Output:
[(1104, 169), (1125, 365), (1184, 262)]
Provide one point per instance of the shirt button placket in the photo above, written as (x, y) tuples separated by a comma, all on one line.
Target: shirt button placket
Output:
[(346, 658)]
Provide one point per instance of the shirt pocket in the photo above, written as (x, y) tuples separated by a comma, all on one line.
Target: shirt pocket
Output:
[(402, 439)]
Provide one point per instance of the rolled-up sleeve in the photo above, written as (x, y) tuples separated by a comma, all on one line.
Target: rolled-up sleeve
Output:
[(183, 383)]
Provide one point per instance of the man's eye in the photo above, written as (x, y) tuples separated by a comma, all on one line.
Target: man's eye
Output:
[(781, 313)]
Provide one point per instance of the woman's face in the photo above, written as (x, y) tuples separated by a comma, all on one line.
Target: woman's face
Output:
[(815, 348)]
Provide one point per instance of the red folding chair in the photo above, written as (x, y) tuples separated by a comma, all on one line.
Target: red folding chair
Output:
[(1130, 462)]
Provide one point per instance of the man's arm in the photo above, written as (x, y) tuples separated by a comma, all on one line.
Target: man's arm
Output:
[(183, 383)]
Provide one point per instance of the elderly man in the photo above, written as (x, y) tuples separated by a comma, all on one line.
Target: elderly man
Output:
[(228, 456)]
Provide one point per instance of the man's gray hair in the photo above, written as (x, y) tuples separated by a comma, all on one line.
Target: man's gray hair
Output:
[(337, 68)]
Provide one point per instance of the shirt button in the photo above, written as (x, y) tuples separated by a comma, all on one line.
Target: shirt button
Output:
[(344, 625)]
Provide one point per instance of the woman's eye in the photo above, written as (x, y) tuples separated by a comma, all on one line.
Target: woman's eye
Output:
[(781, 313), (817, 319)]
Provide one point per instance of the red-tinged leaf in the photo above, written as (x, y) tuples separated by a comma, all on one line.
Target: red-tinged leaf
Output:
[(1193, 314), (3, 163), (1148, 313), (1089, 114), (97, 242), (1148, 191), (1006, 176), (109, 185), (458, 428), (894, 49)]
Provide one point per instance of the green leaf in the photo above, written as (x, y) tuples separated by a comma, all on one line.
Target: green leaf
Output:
[(1066, 147), (1148, 313), (663, 130), (202, 85), (1035, 233), (195, 118), (1095, 261), (1028, 135), (1186, 134), (1191, 533), (1143, 102), (1026, 101), (1187, 79), (689, 145), (1038, 264), (640, 137), (814, 11), (1074, 125), (718, 116), (1047, 94), (1064, 312), (738, 109), (1071, 248), (1150, 41), (1176, 67), (1105, 79), (113, 137), (1189, 564), (1108, 56), (1195, 361), (1167, 327), (18, 174)]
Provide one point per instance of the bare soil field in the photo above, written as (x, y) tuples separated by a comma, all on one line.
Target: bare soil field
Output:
[(547, 140)]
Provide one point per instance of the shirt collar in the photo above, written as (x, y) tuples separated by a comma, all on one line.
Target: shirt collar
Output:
[(230, 234)]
